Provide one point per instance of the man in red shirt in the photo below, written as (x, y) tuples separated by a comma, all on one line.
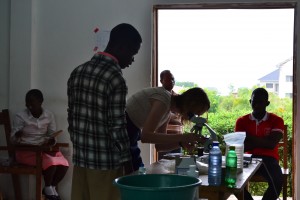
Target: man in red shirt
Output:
[(263, 133)]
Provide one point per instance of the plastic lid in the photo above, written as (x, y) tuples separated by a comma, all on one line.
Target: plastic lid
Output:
[(215, 143)]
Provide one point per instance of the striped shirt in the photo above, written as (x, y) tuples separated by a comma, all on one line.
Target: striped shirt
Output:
[(96, 114)]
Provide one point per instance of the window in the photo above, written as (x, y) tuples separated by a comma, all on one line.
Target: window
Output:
[(269, 85), (289, 95), (206, 63), (289, 78)]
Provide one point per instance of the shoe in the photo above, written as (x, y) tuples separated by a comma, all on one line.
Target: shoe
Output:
[(58, 198), (50, 197)]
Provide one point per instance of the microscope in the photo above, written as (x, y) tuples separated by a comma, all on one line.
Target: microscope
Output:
[(183, 163), (197, 128)]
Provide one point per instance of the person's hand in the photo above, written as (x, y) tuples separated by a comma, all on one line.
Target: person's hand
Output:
[(128, 168), (51, 141), (195, 138), (18, 134), (190, 142), (189, 147)]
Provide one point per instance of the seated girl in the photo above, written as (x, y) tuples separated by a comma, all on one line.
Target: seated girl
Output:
[(34, 125)]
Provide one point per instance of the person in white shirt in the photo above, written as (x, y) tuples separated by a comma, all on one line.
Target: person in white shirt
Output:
[(35, 125)]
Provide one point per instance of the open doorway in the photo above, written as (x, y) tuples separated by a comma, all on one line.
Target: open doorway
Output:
[(226, 47)]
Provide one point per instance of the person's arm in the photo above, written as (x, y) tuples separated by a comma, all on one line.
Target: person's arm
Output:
[(150, 135), (18, 124), (267, 142), (165, 147), (117, 118), (52, 124), (51, 128)]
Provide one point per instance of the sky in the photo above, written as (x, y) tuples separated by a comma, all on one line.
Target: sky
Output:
[(219, 48)]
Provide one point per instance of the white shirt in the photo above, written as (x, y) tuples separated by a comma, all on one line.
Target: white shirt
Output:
[(36, 131)]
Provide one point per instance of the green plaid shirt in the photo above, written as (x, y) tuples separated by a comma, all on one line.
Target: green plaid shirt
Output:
[(96, 114)]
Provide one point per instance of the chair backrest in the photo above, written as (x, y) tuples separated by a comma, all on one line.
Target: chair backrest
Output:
[(5, 121), (284, 145)]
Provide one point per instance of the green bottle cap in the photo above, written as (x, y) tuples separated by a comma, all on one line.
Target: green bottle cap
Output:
[(232, 148)]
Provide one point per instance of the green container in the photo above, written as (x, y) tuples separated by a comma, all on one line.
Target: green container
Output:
[(157, 187)]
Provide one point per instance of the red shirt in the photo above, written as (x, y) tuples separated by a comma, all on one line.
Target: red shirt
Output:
[(269, 123)]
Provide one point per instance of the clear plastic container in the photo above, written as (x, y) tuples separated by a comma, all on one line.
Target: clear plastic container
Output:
[(215, 165), (142, 169)]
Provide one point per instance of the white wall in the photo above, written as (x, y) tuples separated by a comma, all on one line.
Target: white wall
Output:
[(284, 86), (48, 39)]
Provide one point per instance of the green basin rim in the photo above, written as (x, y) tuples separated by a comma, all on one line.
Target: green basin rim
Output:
[(149, 188)]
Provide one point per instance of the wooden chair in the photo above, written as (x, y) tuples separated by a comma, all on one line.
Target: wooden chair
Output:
[(16, 169), (285, 170)]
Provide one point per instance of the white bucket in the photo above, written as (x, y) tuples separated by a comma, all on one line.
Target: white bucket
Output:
[(239, 150)]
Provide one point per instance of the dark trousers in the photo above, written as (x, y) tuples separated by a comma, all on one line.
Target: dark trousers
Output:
[(271, 171)]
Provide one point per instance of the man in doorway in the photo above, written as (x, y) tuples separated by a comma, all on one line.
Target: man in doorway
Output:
[(168, 81)]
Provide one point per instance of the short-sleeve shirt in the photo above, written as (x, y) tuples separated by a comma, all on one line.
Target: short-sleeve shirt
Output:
[(269, 123), (139, 104)]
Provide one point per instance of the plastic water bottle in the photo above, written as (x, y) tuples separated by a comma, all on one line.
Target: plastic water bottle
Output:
[(194, 173), (231, 168), (215, 165)]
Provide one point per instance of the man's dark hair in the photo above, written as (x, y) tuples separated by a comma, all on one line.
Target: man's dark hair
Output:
[(261, 92), (35, 93), (124, 34), (162, 74)]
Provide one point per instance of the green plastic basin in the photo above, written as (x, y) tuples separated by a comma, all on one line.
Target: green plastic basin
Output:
[(157, 187)]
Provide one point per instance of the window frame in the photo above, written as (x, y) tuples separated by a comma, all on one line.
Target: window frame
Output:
[(273, 5)]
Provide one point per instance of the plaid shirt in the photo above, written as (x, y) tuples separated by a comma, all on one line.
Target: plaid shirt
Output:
[(96, 114)]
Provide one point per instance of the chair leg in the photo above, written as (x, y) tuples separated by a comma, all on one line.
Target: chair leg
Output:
[(38, 186), (17, 186), (284, 188)]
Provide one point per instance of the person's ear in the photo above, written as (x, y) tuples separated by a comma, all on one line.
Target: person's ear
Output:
[(250, 101), (268, 103)]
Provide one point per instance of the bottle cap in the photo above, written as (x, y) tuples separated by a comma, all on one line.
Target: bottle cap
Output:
[(215, 143), (232, 148)]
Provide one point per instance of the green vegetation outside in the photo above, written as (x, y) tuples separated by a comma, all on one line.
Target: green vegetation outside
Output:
[(226, 109)]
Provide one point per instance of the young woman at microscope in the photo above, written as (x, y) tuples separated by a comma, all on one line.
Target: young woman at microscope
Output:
[(148, 113)]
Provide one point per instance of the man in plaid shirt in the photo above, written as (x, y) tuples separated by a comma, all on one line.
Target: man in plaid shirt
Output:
[(96, 116)]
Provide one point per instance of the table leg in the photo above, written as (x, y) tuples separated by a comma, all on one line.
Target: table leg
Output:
[(240, 195), (211, 195)]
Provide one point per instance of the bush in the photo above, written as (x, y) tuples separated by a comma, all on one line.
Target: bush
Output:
[(226, 109)]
